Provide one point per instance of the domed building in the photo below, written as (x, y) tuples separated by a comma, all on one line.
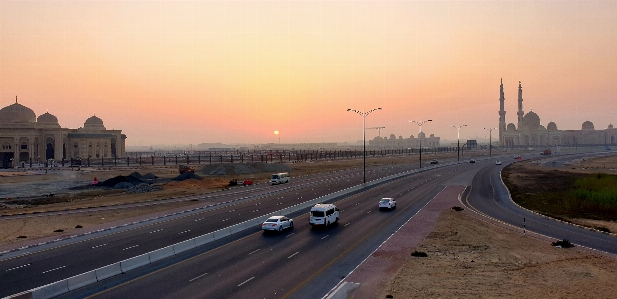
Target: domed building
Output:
[(24, 137), (529, 132)]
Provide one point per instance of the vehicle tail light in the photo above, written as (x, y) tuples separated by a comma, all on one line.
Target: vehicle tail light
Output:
[(263, 224)]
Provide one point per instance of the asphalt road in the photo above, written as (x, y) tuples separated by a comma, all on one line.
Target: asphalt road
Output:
[(303, 262), (42, 267), (488, 195)]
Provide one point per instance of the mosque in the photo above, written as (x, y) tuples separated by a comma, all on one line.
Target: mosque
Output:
[(530, 132), (25, 138)]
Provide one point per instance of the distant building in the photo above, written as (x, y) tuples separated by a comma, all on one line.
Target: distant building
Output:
[(530, 132), (471, 144), (25, 137), (400, 142)]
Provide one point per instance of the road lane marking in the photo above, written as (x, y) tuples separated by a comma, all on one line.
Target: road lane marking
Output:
[(186, 231), (254, 251), (155, 231), (18, 267), (130, 247), (324, 237), (99, 245), (247, 281), (199, 219), (54, 269), (346, 224), (289, 235), (292, 255), (202, 275)]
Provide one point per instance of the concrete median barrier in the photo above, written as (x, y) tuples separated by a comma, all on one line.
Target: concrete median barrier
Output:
[(236, 228), (221, 233), (204, 239), (135, 262), (51, 290), (161, 253), (108, 271), (184, 246), (81, 280)]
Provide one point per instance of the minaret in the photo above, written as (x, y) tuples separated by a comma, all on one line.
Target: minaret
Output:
[(520, 112), (502, 114)]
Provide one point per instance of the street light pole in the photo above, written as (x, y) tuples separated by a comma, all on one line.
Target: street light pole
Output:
[(364, 114), (490, 142), (420, 123), (458, 143)]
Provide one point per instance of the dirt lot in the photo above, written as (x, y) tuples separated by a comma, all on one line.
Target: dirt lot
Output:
[(468, 258)]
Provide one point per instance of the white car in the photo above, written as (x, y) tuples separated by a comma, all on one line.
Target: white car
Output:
[(277, 223), (387, 203), (497, 162)]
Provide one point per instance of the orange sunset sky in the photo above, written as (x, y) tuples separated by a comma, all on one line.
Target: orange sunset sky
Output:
[(170, 72)]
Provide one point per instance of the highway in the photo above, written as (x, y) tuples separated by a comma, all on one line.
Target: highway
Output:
[(488, 195), (304, 262), (38, 268)]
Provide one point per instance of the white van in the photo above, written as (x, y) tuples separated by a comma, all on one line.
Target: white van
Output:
[(279, 178), (324, 214)]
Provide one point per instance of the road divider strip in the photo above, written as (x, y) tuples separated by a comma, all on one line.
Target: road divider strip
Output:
[(84, 279)]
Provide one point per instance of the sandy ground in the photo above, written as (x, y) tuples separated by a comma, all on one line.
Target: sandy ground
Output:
[(468, 258)]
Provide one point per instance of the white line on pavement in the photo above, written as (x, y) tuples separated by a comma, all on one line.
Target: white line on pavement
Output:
[(99, 245), (202, 275), (54, 269), (247, 281), (254, 251), (324, 237), (289, 235), (18, 267), (158, 230), (130, 247), (292, 255)]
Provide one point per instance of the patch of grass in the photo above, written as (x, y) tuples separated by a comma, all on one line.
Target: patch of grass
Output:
[(419, 254)]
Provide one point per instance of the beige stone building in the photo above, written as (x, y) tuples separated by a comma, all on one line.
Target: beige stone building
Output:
[(25, 138), (530, 132), (400, 142)]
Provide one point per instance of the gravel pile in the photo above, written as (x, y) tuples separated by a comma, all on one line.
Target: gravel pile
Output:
[(186, 176), (142, 188), (121, 179), (123, 185), (150, 176)]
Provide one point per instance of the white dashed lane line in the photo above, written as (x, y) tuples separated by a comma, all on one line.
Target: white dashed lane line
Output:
[(53, 269), (200, 276), (346, 224), (186, 231), (18, 267), (130, 247), (199, 219), (289, 235), (247, 281), (324, 237), (156, 231), (292, 255), (254, 251), (99, 245)]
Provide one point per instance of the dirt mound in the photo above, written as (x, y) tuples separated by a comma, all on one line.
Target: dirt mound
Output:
[(121, 179), (244, 168), (186, 176)]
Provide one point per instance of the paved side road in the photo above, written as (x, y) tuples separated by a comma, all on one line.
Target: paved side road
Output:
[(383, 264)]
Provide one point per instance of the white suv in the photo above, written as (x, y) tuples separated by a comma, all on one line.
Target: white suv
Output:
[(324, 214), (387, 203)]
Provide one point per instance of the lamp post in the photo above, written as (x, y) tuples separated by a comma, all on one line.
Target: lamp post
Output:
[(458, 143), (364, 114), (490, 143), (420, 123)]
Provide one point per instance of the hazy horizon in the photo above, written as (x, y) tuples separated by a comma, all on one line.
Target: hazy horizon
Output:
[(176, 72)]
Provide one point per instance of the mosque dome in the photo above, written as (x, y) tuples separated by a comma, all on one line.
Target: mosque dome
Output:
[(511, 127), (587, 125), (552, 126), (610, 126), (47, 118), (17, 113), (94, 123), (531, 121)]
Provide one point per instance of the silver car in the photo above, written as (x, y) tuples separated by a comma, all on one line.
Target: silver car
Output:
[(277, 223), (387, 203)]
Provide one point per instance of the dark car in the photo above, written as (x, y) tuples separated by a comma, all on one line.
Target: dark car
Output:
[(434, 161), (472, 161)]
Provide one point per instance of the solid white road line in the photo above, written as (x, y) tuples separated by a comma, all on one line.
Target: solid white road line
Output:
[(202, 275), (18, 267), (292, 255), (247, 281), (130, 247), (53, 269)]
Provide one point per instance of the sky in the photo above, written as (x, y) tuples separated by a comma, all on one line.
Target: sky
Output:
[(190, 72)]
